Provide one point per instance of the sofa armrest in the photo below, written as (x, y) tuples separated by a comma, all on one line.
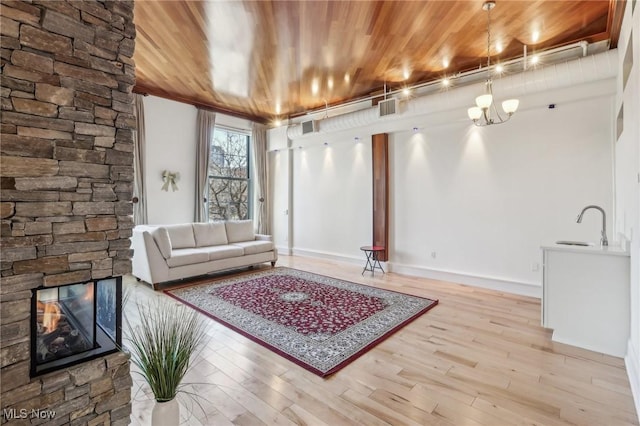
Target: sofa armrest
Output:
[(148, 263), (263, 237)]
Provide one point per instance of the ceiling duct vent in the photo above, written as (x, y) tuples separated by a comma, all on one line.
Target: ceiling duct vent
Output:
[(387, 107), (310, 126)]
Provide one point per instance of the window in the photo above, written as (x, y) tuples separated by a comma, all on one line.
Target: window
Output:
[(229, 183)]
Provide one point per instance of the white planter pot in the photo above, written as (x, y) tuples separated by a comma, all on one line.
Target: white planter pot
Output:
[(166, 413)]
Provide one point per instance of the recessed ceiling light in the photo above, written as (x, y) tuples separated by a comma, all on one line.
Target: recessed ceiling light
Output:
[(535, 36), (330, 83), (277, 123), (499, 47), (346, 77), (406, 91), (446, 82), (315, 87), (278, 108), (445, 63), (406, 73), (535, 59), (499, 69)]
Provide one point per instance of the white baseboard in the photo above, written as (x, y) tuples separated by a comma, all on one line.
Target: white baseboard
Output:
[(284, 251), (493, 283), (499, 284), (632, 362), (329, 255)]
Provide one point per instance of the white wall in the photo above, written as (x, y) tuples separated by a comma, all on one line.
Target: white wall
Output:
[(482, 200), (171, 145), (280, 164), (627, 183), (332, 198)]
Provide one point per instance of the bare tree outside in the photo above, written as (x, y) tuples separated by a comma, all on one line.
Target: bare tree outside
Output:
[(229, 176)]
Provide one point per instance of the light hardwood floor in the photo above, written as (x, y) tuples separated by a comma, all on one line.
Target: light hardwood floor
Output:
[(478, 358)]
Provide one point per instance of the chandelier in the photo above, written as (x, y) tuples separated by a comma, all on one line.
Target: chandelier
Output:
[(485, 112)]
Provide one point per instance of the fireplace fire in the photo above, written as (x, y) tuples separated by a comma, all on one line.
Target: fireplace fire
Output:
[(75, 323)]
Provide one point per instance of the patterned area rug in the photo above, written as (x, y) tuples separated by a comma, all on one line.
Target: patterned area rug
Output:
[(318, 322)]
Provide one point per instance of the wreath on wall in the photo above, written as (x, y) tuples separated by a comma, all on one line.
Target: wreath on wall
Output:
[(170, 179)]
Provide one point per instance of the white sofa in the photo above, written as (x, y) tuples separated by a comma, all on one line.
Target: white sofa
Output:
[(164, 253)]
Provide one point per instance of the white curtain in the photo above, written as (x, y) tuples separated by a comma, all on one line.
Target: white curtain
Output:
[(259, 143), (139, 148), (206, 122)]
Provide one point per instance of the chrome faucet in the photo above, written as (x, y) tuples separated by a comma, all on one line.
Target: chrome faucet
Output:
[(603, 240)]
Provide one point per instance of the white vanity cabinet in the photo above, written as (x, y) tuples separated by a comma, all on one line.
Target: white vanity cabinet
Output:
[(585, 296)]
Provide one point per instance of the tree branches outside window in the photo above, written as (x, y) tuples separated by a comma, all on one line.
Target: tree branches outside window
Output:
[(229, 183)]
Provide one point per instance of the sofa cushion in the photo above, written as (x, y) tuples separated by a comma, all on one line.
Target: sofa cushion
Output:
[(223, 251), (187, 256), (181, 236), (161, 237), (254, 247), (240, 230), (210, 234)]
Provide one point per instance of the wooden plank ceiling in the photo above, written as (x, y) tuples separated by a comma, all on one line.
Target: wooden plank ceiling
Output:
[(264, 60)]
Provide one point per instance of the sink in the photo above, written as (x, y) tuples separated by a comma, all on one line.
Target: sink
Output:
[(574, 243)]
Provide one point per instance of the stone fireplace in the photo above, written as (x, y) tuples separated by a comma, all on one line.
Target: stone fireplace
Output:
[(74, 323), (66, 173)]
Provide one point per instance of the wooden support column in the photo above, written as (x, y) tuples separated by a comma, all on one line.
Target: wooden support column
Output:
[(380, 174)]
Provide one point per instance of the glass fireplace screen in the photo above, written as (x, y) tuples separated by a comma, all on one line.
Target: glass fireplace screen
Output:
[(74, 323)]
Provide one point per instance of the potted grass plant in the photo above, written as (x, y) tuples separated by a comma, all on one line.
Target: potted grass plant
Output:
[(162, 344)]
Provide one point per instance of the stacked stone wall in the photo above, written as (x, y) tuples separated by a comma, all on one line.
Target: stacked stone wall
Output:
[(66, 176)]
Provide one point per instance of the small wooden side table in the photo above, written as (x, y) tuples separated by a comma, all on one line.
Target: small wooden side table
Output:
[(373, 262)]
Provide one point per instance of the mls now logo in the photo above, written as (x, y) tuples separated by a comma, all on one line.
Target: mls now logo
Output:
[(23, 413)]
